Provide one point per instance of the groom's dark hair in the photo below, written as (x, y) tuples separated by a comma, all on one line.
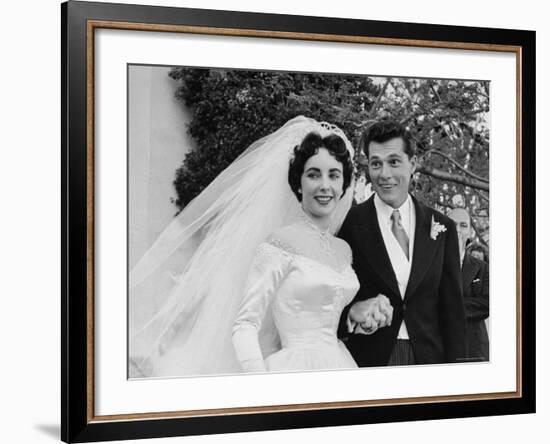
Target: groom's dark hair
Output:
[(384, 130), (334, 144)]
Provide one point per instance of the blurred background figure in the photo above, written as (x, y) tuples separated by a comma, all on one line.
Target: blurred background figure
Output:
[(475, 283)]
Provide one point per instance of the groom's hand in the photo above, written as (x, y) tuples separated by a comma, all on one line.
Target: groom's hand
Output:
[(386, 309), (361, 312), (371, 314), (382, 314)]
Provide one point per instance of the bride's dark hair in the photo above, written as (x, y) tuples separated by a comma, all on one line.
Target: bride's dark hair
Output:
[(333, 143)]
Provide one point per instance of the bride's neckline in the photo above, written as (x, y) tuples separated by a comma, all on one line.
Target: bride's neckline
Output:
[(324, 237), (286, 248)]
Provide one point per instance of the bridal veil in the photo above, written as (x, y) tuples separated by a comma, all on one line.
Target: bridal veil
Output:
[(185, 291)]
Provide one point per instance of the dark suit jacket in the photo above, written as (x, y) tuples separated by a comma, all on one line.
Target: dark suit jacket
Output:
[(475, 282), (433, 307)]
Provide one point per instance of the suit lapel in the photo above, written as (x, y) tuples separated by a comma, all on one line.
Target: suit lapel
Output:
[(424, 248), (372, 246)]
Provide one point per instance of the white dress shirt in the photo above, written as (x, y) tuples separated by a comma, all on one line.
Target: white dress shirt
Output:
[(400, 264)]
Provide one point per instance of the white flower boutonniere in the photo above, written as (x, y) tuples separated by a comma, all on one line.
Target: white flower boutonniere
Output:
[(436, 229)]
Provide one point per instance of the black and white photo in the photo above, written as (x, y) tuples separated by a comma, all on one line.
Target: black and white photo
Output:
[(289, 221)]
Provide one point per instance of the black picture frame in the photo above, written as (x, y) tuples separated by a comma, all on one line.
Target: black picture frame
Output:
[(78, 423)]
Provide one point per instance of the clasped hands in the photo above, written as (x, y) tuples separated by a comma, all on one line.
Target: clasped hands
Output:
[(371, 314)]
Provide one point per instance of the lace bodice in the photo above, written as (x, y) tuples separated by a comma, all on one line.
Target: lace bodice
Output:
[(304, 297)]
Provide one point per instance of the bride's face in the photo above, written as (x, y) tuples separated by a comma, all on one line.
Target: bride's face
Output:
[(321, 184)]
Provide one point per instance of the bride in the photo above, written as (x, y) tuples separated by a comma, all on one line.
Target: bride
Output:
[(249, 277)]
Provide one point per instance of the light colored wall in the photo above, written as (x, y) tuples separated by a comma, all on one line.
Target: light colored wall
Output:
[(157, 145)]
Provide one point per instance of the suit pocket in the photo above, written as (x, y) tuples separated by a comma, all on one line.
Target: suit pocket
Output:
[(477, 286)]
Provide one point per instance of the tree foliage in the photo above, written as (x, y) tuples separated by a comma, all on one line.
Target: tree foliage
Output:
[(447, 118), (449, 122)]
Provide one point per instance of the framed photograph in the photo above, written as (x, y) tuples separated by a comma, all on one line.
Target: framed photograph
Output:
[(226, 264)]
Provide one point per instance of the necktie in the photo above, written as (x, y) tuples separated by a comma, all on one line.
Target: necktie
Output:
[(399, 232)]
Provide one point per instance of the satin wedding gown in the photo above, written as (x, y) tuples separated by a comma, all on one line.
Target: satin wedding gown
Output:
[(305, 299)]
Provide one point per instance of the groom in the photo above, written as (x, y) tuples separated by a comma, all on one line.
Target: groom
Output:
[(409, 309)]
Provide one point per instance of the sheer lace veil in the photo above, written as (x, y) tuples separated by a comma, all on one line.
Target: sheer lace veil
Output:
[(186, 289)]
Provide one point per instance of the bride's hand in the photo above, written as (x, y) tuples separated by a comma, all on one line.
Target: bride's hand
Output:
[(367, 315), (361, 312), (372, 314)]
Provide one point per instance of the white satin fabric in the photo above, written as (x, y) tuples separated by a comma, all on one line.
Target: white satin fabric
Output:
[(305, 298)]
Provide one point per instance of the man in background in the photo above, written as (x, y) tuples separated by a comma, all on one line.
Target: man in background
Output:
[(475, 283)]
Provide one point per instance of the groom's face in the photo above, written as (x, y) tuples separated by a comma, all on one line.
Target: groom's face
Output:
[(390, 170)]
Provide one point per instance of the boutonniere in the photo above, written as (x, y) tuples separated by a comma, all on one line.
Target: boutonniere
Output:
[(436, 229)]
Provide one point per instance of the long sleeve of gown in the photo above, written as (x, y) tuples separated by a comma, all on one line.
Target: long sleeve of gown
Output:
[(268, 269)]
